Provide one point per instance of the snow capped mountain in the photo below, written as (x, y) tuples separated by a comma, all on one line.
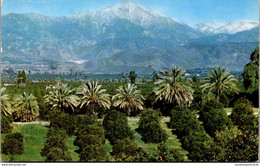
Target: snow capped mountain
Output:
[(211, 27), (126, 36), (137, 14), (237, 26)]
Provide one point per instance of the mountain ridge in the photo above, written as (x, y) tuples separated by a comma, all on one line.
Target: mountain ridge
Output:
[(107, 40)]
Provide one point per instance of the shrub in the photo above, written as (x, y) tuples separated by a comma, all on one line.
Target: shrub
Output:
[(126, 150), (6, 122), (13, 144), (183, 120), (116, 127), (149, 127), (214, 117), (81, 121), (55, 148), (57, 154), (90, 140), (62, 121), (90, 135), (243, 115), (199, 145), (165, 154), (93, 152)]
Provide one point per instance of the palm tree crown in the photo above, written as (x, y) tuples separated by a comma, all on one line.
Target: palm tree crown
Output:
[(61, 97), (128, 97), (92, 94), (219, 80), (26, 107), (5, 102), (171, 87)]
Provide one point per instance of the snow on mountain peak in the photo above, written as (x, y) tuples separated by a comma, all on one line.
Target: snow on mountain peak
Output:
[(237, 26), (226, 27)]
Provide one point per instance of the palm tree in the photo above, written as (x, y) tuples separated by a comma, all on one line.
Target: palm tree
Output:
[(128, 97), (219, 80), (26, 107), (61, 97), (5, 102), (172, 88), (92, 94)]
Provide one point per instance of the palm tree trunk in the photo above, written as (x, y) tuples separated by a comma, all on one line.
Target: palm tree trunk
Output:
[(92, 105), (218, 94)]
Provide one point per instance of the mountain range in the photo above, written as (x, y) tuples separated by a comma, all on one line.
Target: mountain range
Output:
[(125, 36)]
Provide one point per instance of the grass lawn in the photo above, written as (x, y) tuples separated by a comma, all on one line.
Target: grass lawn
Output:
[(34, 139), (172, 141)]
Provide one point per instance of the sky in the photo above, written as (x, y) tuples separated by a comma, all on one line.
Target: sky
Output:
[(188, 11)]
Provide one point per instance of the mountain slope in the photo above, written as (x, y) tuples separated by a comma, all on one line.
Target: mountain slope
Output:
[(123, 37)]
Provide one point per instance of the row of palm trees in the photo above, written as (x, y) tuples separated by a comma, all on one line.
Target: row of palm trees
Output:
[(24, 106), (91, 94), (172, 87)]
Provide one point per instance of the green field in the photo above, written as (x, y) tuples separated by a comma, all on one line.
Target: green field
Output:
[(35, 136)]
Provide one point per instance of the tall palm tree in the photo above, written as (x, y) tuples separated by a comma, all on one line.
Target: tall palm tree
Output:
[(92, 94), (5, 102), (172, 87), (219, 80), (128, 97), (61, 97), (26, 107)]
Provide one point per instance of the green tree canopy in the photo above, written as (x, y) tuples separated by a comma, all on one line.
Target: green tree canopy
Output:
[(172, 87), (132, 76), (251, 72), (128, 98), (218, 81), (92, 94)]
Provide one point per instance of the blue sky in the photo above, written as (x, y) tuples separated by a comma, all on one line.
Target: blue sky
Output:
[(189, 11)]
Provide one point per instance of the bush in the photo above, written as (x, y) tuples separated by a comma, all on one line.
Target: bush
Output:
[(90, 135), (13, 144), (55, 148), (243, 115), (6, 122), (90, 140), (199, 145), (93, 152), (214, 117), (116, 127), (57, 154), (233, 145), (183, 121), (165, 154), (63, 121), (150, 129), (126, 150), (81, 121)]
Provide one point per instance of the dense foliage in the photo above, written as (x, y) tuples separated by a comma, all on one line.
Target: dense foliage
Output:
[(243, 115), (55, 148), (218, 81), (116, 127), (6, 124), (172, 87), (62, 121), (90, 140), (165, 154), (192, 135), (150, 128), (13, 144), (214, 117), (126, 150)]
